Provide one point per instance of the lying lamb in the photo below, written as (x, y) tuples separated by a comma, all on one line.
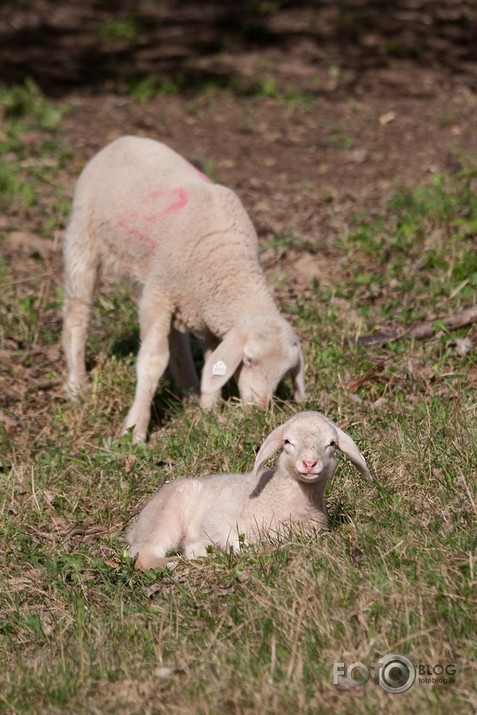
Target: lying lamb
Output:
[(143, 212), (190, 514)]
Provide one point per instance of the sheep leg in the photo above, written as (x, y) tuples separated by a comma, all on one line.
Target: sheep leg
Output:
[(152, 360), (159, 528), (196, 549), (152, 553), (181, 363), (81, 271), (208, 401)]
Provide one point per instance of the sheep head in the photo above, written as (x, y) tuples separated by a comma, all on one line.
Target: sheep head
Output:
[(260, 352), (308, 442)]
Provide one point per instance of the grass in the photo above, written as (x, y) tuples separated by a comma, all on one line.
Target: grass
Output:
[(260, 630), (123, 29)]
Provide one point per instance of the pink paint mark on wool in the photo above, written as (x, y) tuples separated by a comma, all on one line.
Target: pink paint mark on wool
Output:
[(176, 199), (127, 222), (170, 201)]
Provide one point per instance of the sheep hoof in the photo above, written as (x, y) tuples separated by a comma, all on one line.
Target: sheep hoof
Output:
[(75, 389), (146, 561), (209, 400)]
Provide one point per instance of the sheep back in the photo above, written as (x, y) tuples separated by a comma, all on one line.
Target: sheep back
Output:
[(153, 215)]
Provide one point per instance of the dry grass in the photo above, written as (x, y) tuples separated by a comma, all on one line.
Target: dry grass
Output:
[(257, 631)]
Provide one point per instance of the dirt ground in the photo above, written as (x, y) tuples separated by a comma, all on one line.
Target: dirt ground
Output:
[(363, 95), (311, 111)]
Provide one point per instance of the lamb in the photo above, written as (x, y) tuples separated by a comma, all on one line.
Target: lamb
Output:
[(190, 514), (142, 212)]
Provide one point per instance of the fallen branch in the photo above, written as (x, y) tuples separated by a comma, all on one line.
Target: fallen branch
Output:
[(423, 331)]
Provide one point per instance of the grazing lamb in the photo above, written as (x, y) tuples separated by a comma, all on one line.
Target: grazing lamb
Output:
[(143, 212), (190, 514)]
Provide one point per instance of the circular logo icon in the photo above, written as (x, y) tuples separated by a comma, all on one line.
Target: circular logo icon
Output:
[(395, 673)]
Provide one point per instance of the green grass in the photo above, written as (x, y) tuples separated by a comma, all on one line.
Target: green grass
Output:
[(260, 630), (31, 154), (122, 30)]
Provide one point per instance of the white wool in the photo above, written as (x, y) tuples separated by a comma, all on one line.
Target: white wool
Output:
[(142, 212), (191, 514)]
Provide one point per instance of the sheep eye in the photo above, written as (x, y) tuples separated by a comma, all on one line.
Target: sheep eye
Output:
[(287, 442), (333, 443)]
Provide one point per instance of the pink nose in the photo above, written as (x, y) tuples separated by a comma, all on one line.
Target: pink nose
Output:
[(309, 464)]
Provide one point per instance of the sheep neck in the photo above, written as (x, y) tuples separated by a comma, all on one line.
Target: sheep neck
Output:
[(287, 489), (249, 305), (234, 286)]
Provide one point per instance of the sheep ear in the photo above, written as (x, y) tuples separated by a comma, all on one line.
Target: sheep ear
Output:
[(271, 445), (298, 378), (348, 447), (222, 363)]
